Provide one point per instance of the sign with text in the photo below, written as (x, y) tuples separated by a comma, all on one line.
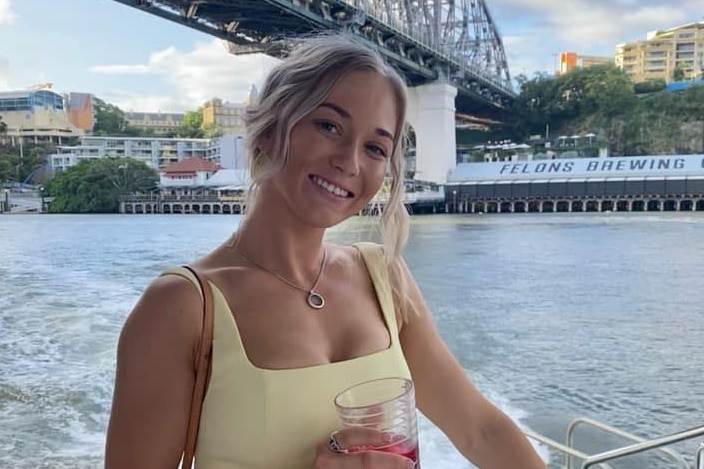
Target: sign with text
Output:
[(634, 166)]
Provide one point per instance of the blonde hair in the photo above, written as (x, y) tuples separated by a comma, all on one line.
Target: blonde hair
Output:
[(298, 85)]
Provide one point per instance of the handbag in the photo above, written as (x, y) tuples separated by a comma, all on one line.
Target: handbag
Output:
[(202, 368)]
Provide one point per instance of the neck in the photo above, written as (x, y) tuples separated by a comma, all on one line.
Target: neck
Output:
[(278, 242)]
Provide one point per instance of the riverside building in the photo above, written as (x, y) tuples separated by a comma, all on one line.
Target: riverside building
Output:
[(40, 115), (636, 183), (157, 153)]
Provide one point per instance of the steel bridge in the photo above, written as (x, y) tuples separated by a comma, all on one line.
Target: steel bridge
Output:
[(452, 41)]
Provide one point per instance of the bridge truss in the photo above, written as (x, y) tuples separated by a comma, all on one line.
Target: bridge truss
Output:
[(455, 41)]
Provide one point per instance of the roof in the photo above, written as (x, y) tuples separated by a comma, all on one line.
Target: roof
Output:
[(191, 165), (230, 179)]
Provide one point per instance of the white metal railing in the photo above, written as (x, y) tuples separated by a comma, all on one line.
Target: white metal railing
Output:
[(615, 431), (641, 445), (637, 448)]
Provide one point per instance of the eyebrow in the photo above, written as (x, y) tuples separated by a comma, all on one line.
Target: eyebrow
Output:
[(343, 113)]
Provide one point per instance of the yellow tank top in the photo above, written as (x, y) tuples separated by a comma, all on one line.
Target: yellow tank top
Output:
[(255, 418)]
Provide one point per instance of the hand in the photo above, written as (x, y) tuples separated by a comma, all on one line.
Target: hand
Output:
[(357, 451)]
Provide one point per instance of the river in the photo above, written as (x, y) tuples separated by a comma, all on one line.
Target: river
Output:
[(554, 316)]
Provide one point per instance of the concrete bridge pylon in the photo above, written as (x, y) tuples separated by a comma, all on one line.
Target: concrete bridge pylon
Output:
[(431, 113)]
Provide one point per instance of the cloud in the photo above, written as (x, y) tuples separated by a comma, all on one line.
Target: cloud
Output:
[(589, 27), (128, 101), (120, 69), (190, 78), (7, 16)]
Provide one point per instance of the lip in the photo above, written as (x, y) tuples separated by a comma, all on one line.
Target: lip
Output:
[(336, 184)]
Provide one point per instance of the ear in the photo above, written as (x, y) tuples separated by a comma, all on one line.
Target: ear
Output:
[(266, 142)]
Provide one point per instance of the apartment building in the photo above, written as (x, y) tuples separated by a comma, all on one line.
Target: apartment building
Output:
[(158, 122), (662, 52), (227, 151), (157, 153)]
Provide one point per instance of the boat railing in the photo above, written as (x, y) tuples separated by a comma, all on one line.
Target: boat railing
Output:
[(566, 450), (641, 445), (615, 431)]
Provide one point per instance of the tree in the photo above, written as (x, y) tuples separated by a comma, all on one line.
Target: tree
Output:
[(109, 119), (96, 186), (650, 86), (3, 127), (192, 125), (678, 74), (533, 108), (25, 167), (602, 90), (211, 130)]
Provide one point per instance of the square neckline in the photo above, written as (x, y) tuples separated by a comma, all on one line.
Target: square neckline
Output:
[(393, 337)]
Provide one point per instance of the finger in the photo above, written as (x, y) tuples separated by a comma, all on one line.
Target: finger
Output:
[(361, 438), (378, 460), (366, 459)]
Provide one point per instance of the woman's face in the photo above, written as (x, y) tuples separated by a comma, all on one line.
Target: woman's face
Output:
[(339, 152)]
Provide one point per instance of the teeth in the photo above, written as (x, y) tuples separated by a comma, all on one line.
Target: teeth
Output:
[(338, 191)]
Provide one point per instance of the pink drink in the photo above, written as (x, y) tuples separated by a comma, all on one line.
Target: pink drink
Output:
[(404, 448), (386, 405), (399, 445)]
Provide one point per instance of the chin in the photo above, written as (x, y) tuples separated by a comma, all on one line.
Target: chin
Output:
[(325, 221)]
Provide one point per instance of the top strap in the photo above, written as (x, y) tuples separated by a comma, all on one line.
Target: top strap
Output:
[(373, 255), (203, 360)]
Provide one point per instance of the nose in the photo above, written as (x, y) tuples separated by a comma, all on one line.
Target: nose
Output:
[(347, 159)]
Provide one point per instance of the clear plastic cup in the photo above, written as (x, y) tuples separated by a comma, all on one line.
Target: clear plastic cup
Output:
[(387, 405)]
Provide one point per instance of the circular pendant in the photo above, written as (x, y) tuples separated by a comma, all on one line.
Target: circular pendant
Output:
[(315, 300)]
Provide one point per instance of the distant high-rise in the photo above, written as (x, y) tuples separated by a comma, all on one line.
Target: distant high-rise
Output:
[(80, 110), (662, 53), (571, 60)]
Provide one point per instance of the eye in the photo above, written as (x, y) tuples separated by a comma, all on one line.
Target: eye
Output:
[(377, 150), (328, 127)]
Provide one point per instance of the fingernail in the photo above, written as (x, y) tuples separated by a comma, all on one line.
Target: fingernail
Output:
[(410, 464), (387, 437)]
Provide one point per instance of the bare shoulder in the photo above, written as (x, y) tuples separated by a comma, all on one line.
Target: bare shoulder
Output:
[(154, 376), (170, 309), (343, 256)]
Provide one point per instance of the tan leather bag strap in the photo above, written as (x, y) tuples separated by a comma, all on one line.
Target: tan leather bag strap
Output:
[(202, 366)]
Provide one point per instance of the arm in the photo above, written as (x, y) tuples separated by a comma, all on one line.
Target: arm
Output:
[(155, 377), (479, 430)]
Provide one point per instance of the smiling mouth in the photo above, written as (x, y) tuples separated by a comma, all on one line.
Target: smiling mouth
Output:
[(330, 187)]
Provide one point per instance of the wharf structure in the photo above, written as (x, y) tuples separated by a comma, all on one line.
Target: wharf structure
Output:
[(623, 184), (210, 190)]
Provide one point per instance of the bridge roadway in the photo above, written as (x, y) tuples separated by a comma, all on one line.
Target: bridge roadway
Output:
[(452, 41)]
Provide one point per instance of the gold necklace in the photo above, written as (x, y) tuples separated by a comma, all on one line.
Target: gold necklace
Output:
[(315, 300)]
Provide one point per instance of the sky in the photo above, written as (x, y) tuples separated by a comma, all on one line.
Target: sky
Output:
[(141, 62)]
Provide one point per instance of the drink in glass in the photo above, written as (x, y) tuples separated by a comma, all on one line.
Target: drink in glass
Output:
[(386, 405)]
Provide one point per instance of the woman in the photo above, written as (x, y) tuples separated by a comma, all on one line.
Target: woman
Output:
[(297, 320)]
